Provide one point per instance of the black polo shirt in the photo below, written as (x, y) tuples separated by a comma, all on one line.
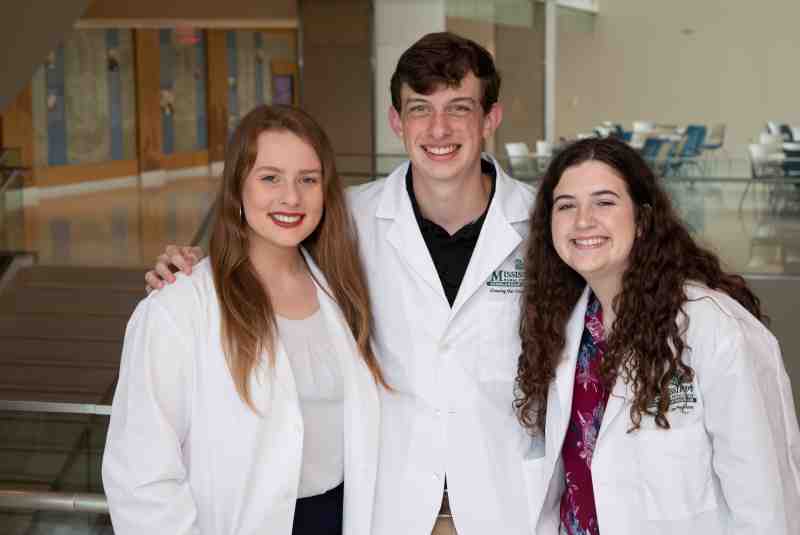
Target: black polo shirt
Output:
[(451, 254)]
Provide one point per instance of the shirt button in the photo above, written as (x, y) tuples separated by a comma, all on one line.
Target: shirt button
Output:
[(444, 347)]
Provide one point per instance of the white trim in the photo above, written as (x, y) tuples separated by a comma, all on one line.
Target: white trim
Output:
[(226, 24), (200, 171), (153, 179), (217, 168), (31, 196)]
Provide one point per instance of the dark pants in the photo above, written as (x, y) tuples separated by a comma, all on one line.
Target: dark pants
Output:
[(320, 514)]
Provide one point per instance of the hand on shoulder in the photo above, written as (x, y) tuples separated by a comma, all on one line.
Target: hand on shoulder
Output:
[(174, 258)]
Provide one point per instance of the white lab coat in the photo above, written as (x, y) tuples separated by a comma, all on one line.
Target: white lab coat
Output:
[(184, 454), (452, 369), (729, 464)]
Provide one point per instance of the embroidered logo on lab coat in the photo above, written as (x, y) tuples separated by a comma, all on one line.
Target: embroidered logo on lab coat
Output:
[(507, 281), (682, 397)]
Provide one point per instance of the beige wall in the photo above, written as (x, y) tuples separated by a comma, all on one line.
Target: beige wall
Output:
[(192, 9), (519, 56), (635, 60)]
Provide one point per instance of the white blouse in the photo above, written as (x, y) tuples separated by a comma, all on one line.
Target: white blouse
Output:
[(320, 388)]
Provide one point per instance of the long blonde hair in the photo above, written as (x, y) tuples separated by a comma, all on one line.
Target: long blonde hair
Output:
[(248, 319)]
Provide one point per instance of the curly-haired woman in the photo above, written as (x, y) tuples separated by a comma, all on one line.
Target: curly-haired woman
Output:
[(656, 399)]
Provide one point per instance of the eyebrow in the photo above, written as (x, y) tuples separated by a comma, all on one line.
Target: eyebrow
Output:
[(420, 100), (279, 170), (605, 192), (593, 194), (416, 100), (464, 99)]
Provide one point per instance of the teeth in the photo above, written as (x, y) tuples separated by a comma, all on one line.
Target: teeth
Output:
[(589, 242), (286, 218), (440, 151)]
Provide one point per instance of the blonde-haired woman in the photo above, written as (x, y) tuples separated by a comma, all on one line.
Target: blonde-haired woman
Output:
[(247, 399)]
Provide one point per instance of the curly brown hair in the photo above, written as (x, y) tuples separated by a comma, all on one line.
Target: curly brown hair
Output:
[(647, 342)]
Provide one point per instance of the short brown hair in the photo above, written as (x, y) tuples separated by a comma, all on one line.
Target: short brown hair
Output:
[(444, 59)]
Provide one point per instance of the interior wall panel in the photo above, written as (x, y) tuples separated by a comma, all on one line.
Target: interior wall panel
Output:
[(148, 100), (17, 125), (217, 84), (86, 98), (337, 74), (520, 58)]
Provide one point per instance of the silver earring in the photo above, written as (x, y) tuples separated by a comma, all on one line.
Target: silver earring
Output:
[(241, 213)]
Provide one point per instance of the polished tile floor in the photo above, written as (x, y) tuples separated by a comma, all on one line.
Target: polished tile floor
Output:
[(125, 227)]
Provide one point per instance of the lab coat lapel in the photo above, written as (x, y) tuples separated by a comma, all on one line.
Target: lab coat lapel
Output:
[(404, 234), (616, 402), (497, 240), (361, 412), (565, 374)]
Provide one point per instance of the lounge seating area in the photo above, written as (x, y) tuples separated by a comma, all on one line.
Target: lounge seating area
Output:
[(682, 151)]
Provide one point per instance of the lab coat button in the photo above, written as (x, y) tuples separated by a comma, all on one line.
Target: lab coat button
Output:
[(444, 348)]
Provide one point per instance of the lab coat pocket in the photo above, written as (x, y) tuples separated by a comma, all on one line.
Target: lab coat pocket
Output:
[(676, 472), (536, 477), (499, 344)]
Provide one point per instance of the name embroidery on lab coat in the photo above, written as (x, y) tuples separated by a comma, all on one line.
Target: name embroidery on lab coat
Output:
[(507, 281), (682, 397)]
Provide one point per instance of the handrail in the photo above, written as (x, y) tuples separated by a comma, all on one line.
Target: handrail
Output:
[(12, 177), (74, 502), (55, 407)]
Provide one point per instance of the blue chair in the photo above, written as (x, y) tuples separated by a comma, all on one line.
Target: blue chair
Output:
[(791, 165), (695, 136), (616, 130), (716, 137), (687, 150), (650, 149)]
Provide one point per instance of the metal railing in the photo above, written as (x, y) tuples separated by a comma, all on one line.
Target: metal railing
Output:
[(50, 407), (70, 502)]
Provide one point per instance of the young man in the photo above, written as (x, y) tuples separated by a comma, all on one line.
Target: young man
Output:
[(441, 242)]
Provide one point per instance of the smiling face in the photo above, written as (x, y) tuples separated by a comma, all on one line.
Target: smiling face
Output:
[(594, 223), (443, 132), (282, 196)]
